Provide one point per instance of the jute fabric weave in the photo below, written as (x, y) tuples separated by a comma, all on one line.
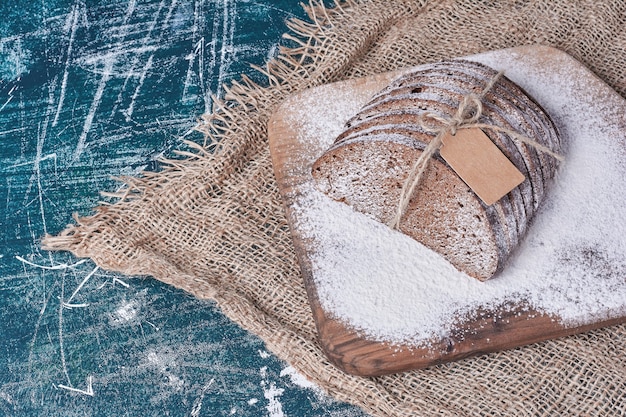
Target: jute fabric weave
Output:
[(211, 221)]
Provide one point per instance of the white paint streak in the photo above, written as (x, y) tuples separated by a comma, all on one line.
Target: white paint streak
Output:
[(122, 283), (53, 267), (97, 98), (197, 404), (168, 16), (88, 391), (89, 275), (148, 65), (70, 306), (224, 24), (31, 349), (148, 44), (17, 129), (73, 27), (94, 62), (142, 79), (155, 327), (197, 50), (10, 93), (206, 87), (39, 33), (61, 347), (198, 46), (6, 102), (41, 138), (228, 31), (52, 156), (129, 10)]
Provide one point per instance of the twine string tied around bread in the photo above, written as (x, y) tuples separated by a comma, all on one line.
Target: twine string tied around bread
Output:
[(466, 116)]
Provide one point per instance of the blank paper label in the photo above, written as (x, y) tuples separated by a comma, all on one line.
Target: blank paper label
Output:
[(481, 164)]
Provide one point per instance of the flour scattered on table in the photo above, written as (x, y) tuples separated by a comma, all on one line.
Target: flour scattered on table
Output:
[(126, 312), (297, 379), (274, 406), (571, 265), (327, 120)]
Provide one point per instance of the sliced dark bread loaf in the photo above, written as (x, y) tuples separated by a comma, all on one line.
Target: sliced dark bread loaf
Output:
[(369, 162)]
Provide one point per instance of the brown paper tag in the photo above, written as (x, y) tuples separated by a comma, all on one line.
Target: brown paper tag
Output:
[(481, 164)]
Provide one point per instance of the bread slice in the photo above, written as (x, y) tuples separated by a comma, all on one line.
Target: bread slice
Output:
[(369, 162)]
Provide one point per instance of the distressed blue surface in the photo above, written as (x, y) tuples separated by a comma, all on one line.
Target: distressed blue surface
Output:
[(94, 89)]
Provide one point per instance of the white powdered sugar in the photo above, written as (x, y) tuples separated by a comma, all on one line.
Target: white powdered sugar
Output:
[(320, 115), (571, 264)]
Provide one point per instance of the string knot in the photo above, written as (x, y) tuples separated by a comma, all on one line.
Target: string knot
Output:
[(466, 116), (468, 112)]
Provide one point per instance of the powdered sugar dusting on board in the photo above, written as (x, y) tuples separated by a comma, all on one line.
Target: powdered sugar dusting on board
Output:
[(327, 119), (322, 112), (571, 265), (376, 278)]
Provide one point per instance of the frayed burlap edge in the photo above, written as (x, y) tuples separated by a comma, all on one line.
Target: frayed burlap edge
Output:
[(316, 59), (334, 46)]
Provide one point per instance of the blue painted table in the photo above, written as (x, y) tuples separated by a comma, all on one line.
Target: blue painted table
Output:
[(90, 90)]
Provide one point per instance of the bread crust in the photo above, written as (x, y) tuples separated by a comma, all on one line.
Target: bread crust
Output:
[(370, 160)]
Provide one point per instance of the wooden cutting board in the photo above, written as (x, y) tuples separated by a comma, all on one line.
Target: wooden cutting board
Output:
[(307, 123)]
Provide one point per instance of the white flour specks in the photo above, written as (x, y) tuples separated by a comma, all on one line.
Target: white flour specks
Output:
[(166, 364), (274, 406), (272, 394), (571, 264), (327, 119), (126, 312), (297, 379)]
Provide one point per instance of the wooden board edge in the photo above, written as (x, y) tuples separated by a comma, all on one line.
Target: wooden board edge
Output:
[(349, 349)]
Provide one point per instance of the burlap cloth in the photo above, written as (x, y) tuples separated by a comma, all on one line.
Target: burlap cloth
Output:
[(212, 222)]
